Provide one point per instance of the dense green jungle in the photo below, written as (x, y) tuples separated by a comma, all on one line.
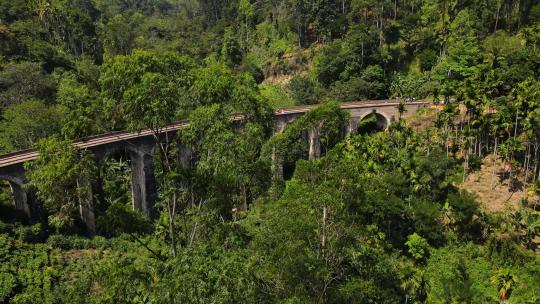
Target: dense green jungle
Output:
[(383, 216)]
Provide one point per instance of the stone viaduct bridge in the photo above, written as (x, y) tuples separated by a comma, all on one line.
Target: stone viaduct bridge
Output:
[(139, 146)]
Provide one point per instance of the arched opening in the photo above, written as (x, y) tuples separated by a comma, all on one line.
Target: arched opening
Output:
[(114, 204), (372, 123), (114, 177), (288, 169), (297, 148), (13, 203), (112, 187)]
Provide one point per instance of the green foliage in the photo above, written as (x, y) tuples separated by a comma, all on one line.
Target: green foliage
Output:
[(24, 277), (276, 96), (335, 235), (459, 274), (428, 59), (73, 242), (139, 86), (79, 106), (465, 211), (62, 176), (329, 64), (230, 50), (289, 146), (121, 218), (303, 90), (229, 159), (505, 281), (377, 219), (205, 274), (417, 85), (25, 123), (418, 246), (23, 81), (119, 34), (466, 272)]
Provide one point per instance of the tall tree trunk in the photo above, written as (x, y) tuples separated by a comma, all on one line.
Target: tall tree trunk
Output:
[(243, 196), (247, 33), (480, 146), (466, 166), (447, 145), (172, 230), (516, 123), (511, 176), (381, 28), (323, 230), (535, 174), (497, 17), (195, 227), (167, 167), (527, 161), (494, 164)]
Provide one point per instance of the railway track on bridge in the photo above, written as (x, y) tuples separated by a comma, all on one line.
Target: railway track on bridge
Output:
[(97, 140)]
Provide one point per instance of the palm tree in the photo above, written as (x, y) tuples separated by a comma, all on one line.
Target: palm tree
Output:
[(505, 282), (416, 286), (42, 8), (401, 109)]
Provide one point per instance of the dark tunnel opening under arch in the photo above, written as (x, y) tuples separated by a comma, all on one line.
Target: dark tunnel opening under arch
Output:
[(8, 210), (372, 123)]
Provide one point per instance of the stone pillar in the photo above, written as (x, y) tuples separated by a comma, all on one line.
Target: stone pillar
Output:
[(20, 198), (186, 161), (86, 207), (314, 142), (277, 163), (352, 128), (280, 125), (185, 156), (277, 166), (97, 189), (143, 183), (37, 211)]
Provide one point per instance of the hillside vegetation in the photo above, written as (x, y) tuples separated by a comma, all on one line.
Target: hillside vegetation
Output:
[(411, 214)]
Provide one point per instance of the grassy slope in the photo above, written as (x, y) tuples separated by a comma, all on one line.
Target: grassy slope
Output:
[(276, 95)]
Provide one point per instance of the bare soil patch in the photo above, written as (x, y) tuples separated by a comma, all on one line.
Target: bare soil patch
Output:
[(491, 186)]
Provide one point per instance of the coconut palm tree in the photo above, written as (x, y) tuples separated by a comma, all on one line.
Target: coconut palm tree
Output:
[(505, 282)]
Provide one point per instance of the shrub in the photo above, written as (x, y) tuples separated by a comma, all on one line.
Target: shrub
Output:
[(418, 246), (70, 242), (303, 90), (428, 59), (121, 218), (29, 234)]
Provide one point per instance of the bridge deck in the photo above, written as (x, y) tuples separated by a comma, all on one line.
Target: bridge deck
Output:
[(93, 141)]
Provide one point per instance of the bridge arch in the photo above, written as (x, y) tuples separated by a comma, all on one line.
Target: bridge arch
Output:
[(115, 150), (139, 157), (373, 121), (11, 179), (18, 192)]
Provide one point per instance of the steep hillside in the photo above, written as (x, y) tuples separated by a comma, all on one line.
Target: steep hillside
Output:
[(490, 185)]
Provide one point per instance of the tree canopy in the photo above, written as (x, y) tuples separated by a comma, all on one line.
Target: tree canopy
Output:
[(246, 212)]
